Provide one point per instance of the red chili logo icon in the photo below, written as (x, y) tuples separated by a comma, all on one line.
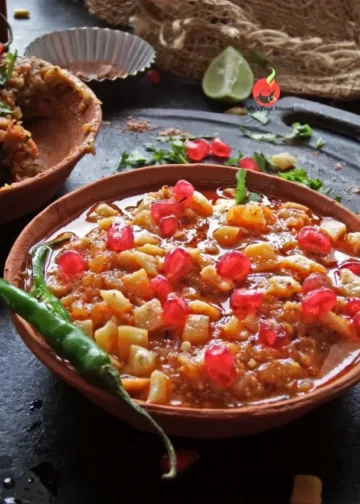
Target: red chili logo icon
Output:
[(266, 92)]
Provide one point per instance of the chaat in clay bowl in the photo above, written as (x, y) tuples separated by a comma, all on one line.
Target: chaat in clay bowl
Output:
[(49, 121), (227, 311)]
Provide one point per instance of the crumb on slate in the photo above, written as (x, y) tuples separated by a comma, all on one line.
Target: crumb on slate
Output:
[(139, 125), (340, 165), (171, 132)]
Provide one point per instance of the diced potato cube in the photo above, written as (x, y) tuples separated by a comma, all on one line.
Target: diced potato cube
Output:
[(141, 361), (282, 370), (203, 308), (302, 265), (297, 206), (228, 236), (185, 346), (250, 215), (190, 368), (105, 210), (284, 160), (86, 325), (234, 330), (159, 388), (147, 202), (106, 222), (223, 205), (354, 242), (283, 286), (153, 250), (106, 336), (116, 300), (148, 262), (209, 275), (201, 205), (251, 322), (262, 256), (138, 284), (145, 220), (146, 238), (307, 490), (135, 385), (292, 311), (149, 315), (333, 228), (349, 284), (197, 329), (198, 258), (338, 324), (129, 335)]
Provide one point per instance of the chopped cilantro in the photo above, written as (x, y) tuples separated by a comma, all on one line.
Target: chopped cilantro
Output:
[(299, 131), (4, 109), (320, 143), (240, 185), (262, 116), (265, 137), (264, 163), (7, 68), (300, 175)]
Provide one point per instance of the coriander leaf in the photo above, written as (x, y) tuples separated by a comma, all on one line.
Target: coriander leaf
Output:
[(132, 160), (259, 60), (262, 116), (240, 185), (300, 175), (325, 190), (266, 137), (4, 109), (264, 163), (234, 161), (338, 199), (253, 196), (299, 131), (11, 58), (123, 161), (320, 143)]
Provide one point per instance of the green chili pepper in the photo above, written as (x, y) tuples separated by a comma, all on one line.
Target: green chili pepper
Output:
[(71, 343), (40, 290)]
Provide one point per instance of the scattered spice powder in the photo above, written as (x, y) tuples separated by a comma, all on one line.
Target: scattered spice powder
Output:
[(139, 125), (171, 132)]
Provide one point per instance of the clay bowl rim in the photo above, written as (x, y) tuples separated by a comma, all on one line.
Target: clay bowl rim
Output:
[(80, 150), (276, 186)]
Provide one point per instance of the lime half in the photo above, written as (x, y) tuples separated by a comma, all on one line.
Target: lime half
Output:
[(229, 77)]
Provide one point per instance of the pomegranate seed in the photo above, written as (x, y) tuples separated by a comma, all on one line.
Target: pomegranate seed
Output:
[(161, 287), (197, 150), (184, 460), (153, 76), (245, 301), (220, 149), (177, 264), (164, 208), (71, 263), (120, 237), (1, 48), (249, 164), (352, 307), (313, 282), (168, 226), (234, 266), (317, 303), (272, 334), (352, 266), (175, 310), (183, 192), (314, 241), (220, 365)]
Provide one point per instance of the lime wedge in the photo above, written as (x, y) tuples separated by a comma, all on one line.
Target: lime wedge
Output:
[(229, 77)]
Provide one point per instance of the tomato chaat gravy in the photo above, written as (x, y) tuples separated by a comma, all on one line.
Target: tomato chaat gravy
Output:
[(205, 303)]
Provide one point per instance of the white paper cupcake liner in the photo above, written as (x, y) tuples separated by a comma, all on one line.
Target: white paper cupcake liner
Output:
[(126, 52)]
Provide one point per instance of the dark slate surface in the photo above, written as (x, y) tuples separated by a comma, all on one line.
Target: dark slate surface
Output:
[(59, 448)]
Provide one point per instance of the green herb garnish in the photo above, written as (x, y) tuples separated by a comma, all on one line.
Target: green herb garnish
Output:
[(134, 160), (265, 137), (338, 199), (301, 175), (253, 196), (7, 68), (262, 116), (240, 186), (4, 109), (320, 143), (299, 131), (264, 163)]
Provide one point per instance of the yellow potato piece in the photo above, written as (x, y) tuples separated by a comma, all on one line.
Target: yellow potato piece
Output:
[(203, 308), (116, 300), (250, 215), (307, 490), (105, 210), (283, 286), (148, 262), (302, 265), (106, 222), (106, 337), (149, 315), (197, 329), (138, 284), (263, 256), (201, 205), (146, 238), (209, 275), (141, 361), (145, 220), (159, 388), (129, 335), (86, 325), (284, 160), (234, 330), (333, 228), (349, 284), (354, 242), (135, 385), (153, 250), (227, 236), (337, 323)]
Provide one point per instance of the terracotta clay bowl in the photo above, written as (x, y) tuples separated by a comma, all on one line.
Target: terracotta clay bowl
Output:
[(63, 140), (210, 423)]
